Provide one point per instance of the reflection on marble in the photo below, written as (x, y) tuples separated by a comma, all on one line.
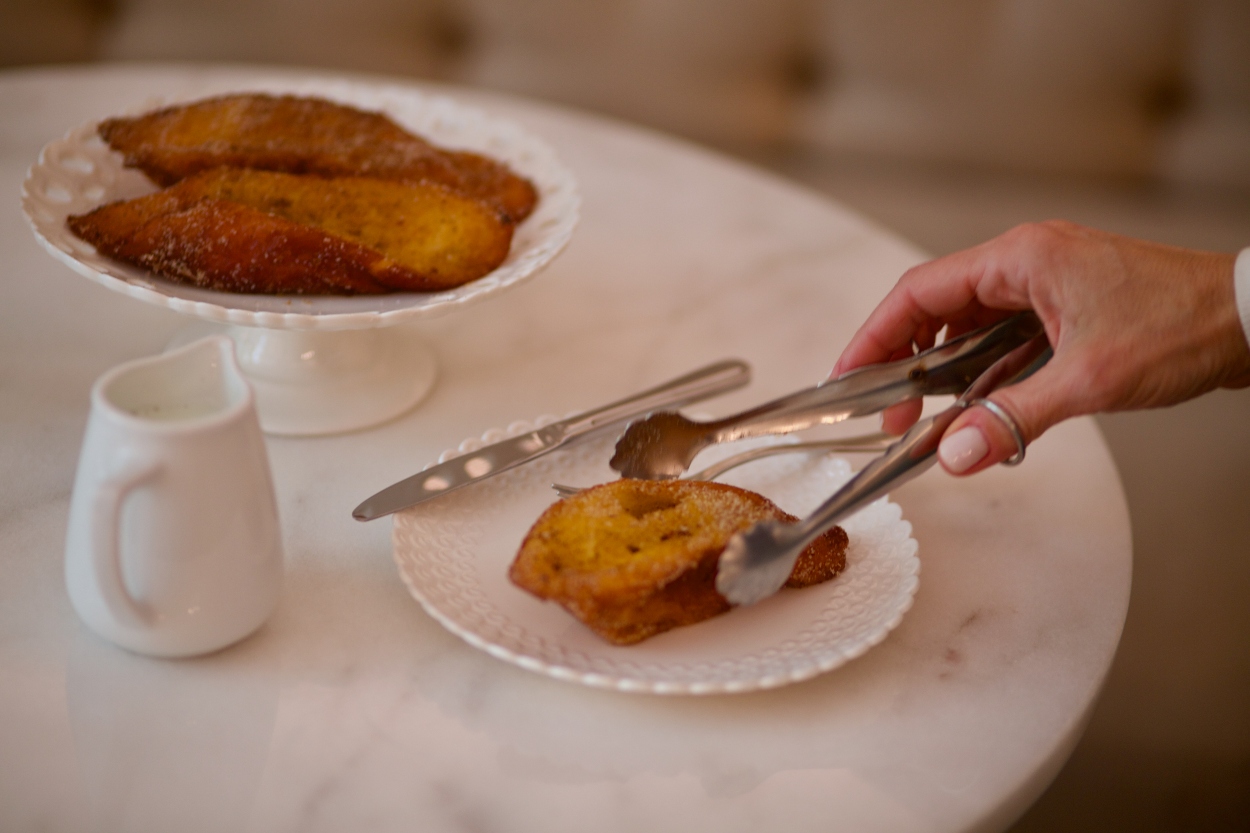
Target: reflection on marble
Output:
[(351, 709)]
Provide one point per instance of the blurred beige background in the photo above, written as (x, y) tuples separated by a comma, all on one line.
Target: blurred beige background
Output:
[(948, 121)]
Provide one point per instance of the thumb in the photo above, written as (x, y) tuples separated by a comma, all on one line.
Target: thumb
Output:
[(980, 438)]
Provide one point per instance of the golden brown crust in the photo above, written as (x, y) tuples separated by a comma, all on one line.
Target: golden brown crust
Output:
[(232, 248), (238, 230), (305, 135), (821, 561), (634, 558)]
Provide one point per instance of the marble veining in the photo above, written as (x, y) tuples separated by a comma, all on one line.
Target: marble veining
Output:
[(351, 709)]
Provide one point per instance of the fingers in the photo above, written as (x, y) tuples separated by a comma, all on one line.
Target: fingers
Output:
[(976, 441), (1133, 325), (961, 291), (896, 419), (979, 438), (896, 323)]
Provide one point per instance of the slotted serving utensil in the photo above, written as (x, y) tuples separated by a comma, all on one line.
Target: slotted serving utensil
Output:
[(663, 445)]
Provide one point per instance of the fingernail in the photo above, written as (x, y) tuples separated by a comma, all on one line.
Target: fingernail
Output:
[(963, 449)]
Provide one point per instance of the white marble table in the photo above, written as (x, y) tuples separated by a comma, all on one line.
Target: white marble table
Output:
[(353, 710)]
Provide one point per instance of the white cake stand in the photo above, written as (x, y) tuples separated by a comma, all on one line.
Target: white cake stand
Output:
[(319, 364)]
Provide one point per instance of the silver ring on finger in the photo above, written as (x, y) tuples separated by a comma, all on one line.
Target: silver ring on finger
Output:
[(1005, 418)]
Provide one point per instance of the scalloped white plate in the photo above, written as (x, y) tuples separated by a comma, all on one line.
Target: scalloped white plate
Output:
[(454, 553), (79, 172)]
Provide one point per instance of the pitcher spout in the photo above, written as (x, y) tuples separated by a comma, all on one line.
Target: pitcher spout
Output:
[(198, 383)]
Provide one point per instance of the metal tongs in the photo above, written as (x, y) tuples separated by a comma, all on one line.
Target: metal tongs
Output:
[(756, 563), (664, 444)]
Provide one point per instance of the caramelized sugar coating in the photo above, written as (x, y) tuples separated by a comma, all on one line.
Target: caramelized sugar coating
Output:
[(634, 558), (305, 135), (238, 230), (232, 248)]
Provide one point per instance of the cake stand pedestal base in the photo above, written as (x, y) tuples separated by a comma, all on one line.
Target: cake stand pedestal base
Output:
[(311, 383)]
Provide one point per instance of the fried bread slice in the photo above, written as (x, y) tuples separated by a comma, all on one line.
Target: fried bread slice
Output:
[(242, 230), (634, 558), (296, 134)]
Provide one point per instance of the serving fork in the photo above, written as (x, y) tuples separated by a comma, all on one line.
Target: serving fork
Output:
[(662, 445), (866, 443)]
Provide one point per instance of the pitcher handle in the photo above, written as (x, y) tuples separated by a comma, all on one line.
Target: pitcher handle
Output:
[(105, 544)]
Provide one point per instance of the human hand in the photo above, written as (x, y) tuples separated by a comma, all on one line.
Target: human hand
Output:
[(1133, 325)]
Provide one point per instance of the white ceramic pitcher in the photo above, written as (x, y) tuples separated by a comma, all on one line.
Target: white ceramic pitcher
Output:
[(174, 547)]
